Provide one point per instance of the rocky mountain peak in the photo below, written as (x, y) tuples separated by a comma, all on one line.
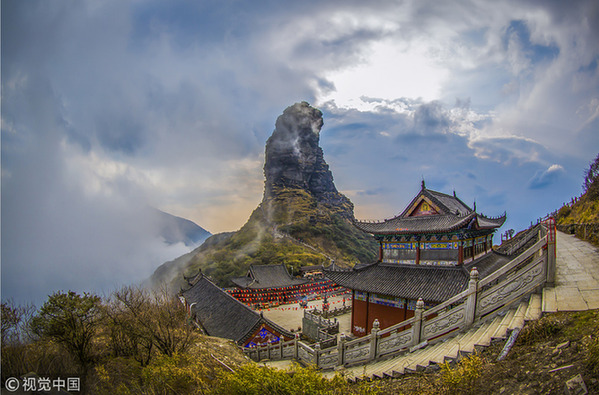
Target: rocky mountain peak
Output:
[(294, 159)]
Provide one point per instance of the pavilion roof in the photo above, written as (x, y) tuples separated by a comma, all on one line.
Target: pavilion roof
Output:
[(431, 283), (222, 315), (267, 276), (450, 214)]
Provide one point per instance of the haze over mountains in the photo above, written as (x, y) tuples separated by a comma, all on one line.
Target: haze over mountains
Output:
[(180, 230), (302, 220)]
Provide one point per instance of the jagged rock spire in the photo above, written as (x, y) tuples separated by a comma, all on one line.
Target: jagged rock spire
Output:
[(294, 159)]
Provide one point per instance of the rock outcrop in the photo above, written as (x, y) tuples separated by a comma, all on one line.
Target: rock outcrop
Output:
[(302, 220), (294, 159)]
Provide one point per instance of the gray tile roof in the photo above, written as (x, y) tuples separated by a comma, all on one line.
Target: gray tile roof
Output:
[(454, 214), (487, 264), (411, 225), (222, 315), (431, 283), (447, 203), (267, 276)]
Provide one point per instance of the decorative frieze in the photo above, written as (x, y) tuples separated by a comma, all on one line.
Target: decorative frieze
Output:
[(439, 324), (358, 353), (395, 342)]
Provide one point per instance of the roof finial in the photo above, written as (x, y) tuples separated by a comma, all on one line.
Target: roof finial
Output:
[(474, 205), (454, 195), (423, 184)]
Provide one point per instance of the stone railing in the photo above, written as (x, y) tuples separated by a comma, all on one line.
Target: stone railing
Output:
[(518, 278), (320, 329), (333, 312)]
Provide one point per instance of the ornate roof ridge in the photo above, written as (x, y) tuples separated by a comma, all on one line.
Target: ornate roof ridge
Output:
[(416, 218)]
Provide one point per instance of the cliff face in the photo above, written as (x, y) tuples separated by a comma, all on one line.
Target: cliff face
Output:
[(302, 220), (294, 160)]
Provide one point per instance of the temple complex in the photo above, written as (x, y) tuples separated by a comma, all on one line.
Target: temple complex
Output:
[(424, 252), (273, 285)]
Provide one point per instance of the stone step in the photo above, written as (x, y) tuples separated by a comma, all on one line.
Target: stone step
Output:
[(423, 360), (518, 320), (378, 368), (477, 335), (459, 345), (485, 339), (448, 349), (503, 326), (441, 354), (549, 300), (533, 312)]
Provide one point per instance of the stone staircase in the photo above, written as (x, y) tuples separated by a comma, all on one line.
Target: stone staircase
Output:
[(478, 337)]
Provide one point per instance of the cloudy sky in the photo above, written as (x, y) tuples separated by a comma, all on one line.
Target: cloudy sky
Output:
[(111, 106)]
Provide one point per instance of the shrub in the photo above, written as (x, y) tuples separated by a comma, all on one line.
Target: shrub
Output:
[(461, 379), (254, 379), (177, 374), (540, 330)]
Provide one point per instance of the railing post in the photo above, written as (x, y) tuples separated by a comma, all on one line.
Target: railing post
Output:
[(268, 347), (341, 350), (296, 346), (374, 338), (551, 251), (417, 322), (316, 353), (471, 300)]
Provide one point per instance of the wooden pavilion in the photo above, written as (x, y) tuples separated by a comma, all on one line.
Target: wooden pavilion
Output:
[(424, 252)]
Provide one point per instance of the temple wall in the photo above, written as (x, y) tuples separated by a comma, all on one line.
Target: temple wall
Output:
[(388, 310), (359, 313)]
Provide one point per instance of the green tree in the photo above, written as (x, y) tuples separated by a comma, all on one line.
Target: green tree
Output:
[(72, 321)]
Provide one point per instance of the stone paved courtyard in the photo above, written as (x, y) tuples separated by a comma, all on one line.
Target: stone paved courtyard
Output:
[(290, 316)]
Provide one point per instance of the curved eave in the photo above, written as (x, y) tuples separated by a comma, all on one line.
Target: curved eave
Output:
[(388, 227), (490, 223)]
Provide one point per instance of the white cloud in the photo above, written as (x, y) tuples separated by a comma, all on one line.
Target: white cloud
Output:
[(389, 72)]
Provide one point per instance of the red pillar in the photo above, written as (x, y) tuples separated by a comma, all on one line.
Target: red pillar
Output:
[(460, 254), (381, 251), (418, 254)]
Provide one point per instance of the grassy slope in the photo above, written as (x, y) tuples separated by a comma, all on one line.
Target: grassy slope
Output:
[(584, 211)]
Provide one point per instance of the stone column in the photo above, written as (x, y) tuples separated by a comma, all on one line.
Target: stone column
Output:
[(417, 322), (316, 353), (341, 349), (296, 346), (471, 299), (374, 338)]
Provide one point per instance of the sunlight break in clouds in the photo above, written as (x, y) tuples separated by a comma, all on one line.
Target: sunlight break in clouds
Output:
[(389, 72)]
